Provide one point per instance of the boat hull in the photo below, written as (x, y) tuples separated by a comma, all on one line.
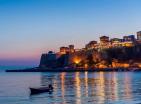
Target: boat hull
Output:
[(38, 90)]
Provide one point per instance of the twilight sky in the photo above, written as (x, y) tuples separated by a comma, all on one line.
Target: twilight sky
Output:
[(31, 27)]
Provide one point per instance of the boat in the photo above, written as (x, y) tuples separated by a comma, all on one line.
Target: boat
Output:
[(41, 90)]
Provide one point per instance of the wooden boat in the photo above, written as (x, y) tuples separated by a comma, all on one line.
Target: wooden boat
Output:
[(40, 90)]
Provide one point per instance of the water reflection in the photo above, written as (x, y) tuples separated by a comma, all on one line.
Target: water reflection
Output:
[(128, 88), (62, 76), (78, 88), (86, 83), (88, 87), (72, 88)]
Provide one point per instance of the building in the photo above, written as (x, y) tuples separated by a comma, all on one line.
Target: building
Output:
[(116, 42), (129, 38), (104, 42), (104, 39), (91, 45), (139, 35), (128, 41), (64, 50), (71, 49)]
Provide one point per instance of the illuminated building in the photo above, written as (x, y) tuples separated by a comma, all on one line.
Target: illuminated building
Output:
[(139, 35), (116, 42), (128, 41), (104, 39), (71, 48), (128, 44), (129, 38), (91, 45), (64, 50), (104, 42)]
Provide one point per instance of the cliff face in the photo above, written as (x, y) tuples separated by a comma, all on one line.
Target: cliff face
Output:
[(43, 60), (124, 54), (93, 58), (105, 57), (48, 60), (52, 62)]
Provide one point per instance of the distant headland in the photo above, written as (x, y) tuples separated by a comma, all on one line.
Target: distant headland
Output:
[(106, 55)]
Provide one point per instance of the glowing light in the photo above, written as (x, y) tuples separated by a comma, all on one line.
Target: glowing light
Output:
[(77, 60), (86, 66)]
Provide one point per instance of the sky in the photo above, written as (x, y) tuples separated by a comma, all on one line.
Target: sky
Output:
[(29, 28)]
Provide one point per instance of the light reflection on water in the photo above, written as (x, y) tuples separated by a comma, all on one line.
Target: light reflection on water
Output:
[(72, 88)]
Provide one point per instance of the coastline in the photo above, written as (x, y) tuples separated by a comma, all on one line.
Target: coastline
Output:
[(76, 70)]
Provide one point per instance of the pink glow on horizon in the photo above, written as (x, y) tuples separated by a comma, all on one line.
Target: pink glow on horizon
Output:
[(18, 54)]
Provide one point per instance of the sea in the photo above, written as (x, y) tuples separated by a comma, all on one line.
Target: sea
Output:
[(70, 87)]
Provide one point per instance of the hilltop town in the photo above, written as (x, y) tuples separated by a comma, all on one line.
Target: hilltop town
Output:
[(107, 53)]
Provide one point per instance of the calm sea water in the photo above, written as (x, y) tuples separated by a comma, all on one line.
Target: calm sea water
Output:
[(72, 88)]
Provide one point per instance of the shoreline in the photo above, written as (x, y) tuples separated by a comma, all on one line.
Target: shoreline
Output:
[(76, 70)]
